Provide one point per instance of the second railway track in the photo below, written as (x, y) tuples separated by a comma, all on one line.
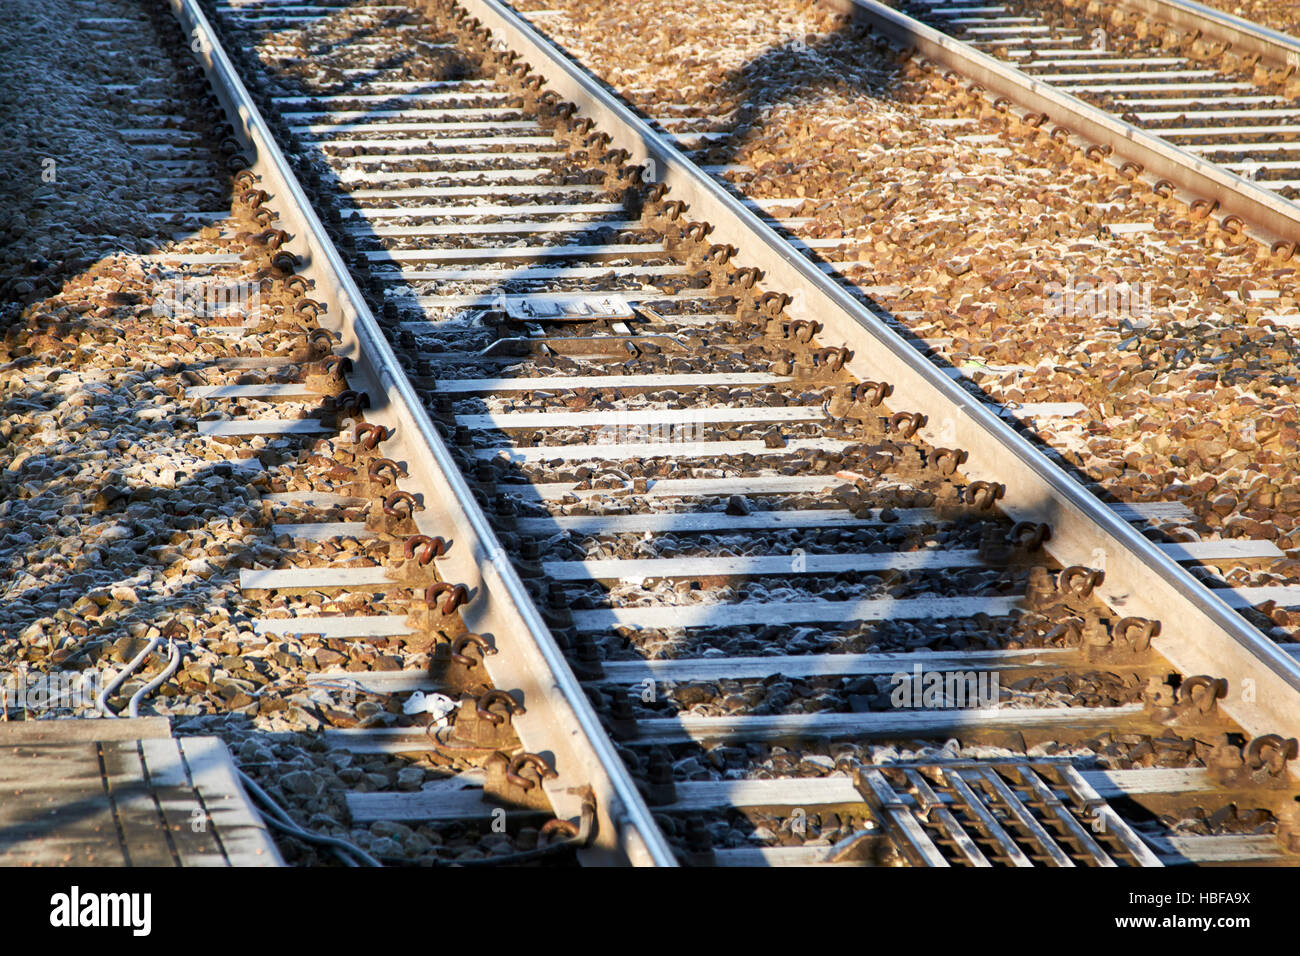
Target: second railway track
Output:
[(1219, 90)]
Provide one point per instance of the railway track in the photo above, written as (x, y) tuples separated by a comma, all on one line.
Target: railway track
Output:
[(1217, 88), (743, 556), (1011, 309), (192, 396)]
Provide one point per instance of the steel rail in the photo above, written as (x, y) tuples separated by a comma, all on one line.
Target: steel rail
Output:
[(1202, 634), (560, 720), (1245, 36), (1267, 216)]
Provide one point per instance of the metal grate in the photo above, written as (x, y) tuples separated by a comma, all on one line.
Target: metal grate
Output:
[(998, 813)]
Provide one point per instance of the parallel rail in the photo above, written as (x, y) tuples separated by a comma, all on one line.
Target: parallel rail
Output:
[(1274, 47), (1198, 166), (559, 718), (1140, 579)]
